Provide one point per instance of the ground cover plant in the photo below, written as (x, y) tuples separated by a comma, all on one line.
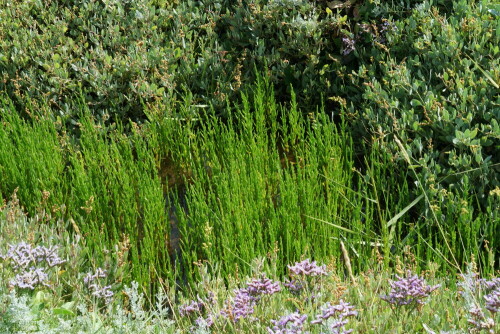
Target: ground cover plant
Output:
[(249, 166), (313, 298)]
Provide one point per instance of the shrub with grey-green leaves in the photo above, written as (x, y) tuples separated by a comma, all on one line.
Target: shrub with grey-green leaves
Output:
[(116, 57), (433, 84)]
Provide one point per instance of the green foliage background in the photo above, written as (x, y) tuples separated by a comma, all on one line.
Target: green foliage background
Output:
[(251, 117)]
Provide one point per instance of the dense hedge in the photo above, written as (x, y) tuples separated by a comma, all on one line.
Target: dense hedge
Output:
[(435, 85), (120, 55)]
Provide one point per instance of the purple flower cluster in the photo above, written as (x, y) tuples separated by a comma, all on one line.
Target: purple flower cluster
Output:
[(23, 255), (243, 305), (30, 279), (307, 268), (493, 297), (349, 45), (471, 288), (378, 34), (493, 301), (335, 317), (384, 28), (292, 323), (492, 284), (245, 299), (295, 286), (90, 278), (410, 290), (198, 307), (30, 264), (479, 321), (192, 307), (301, 273), (204, 322), (262, 286), (100, 292)]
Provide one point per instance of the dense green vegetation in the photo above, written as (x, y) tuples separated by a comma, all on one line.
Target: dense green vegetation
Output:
[(174, 135), (65, 302)]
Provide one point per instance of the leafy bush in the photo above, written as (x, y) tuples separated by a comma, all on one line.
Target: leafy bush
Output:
[(120, 55), (436, 88), (433, 84)]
